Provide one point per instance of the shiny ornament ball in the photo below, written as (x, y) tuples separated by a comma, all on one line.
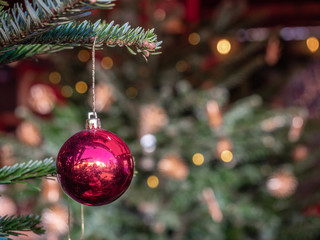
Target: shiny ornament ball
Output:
[(94, 167)]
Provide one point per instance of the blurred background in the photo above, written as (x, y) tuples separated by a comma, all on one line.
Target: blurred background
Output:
[(223, 124)]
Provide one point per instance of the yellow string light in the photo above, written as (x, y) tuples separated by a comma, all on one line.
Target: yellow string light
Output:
[(224, 46), (153, 181), (198, 159)]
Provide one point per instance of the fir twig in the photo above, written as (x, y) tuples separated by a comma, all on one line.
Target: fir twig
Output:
[(17, 26), (51, 22), (82, 33), (20, 172), (16, 225)]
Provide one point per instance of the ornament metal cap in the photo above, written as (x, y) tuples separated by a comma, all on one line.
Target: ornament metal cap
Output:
[(93, 122)]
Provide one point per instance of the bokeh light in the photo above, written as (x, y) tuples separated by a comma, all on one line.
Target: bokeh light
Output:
[(81, 87), (312, 44), (107, 62), (173, 166), (153, 181), (42, 98), (55, 77), (198, 159), (226, 156), (148, 143), (181, 66), (131, 92), (194, 38), (159, 14), (66, 91), (29, 134), (84, 55), (224, 46)]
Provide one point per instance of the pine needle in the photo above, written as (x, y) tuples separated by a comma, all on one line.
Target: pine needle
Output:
[(20, 172)]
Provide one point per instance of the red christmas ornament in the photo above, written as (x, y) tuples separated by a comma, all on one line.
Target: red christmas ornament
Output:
[(94, 166)]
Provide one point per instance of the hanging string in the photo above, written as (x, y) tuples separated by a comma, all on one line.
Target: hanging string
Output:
[(93, 78), (69, 221), (82, 223)]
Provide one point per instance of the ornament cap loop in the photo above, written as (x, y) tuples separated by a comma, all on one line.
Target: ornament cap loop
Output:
[(93, 122)]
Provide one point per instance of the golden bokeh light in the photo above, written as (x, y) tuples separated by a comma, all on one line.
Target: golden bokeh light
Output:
[(153, 181), (226, 156), (66, 91), (55, 77), (107, 62), (84, 55), (198, 159), (181, 66), (131, 92), (81, 87), (312, 44), (194, 38), (224, 46)]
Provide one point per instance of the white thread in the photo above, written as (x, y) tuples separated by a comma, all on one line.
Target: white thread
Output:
[(82, 223), (93, 79)]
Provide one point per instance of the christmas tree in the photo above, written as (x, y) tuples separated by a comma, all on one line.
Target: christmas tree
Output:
[(222, 125)]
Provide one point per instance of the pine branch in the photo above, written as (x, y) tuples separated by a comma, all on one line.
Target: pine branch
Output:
[(3, 3), (17, 26), (83, 33), (12, 225), (23, 171), (28, 51), (51, 22)]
